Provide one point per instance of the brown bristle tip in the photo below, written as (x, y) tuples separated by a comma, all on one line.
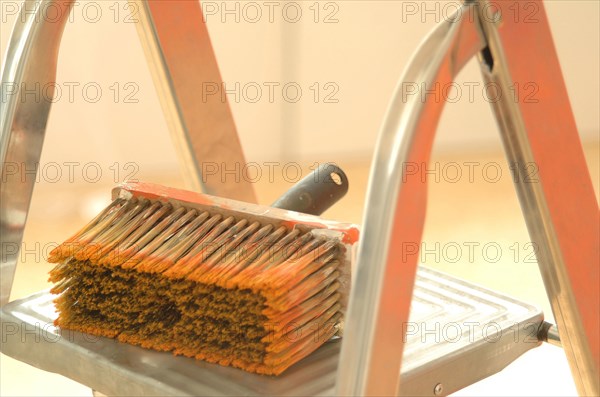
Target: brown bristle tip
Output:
[(231, 283)]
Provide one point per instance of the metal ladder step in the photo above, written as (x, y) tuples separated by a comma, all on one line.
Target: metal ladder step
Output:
[(458, 333)]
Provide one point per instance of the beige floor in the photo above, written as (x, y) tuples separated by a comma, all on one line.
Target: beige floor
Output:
[(477, 211)]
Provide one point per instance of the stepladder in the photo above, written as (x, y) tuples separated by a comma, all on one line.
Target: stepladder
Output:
[(371, 360)]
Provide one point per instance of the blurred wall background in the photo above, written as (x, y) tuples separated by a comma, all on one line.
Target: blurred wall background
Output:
[(324, 71)]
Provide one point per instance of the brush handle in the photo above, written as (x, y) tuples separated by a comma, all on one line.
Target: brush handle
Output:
[(316, 192)]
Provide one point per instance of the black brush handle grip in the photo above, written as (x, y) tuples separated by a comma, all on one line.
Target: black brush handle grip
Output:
[(316, 192)]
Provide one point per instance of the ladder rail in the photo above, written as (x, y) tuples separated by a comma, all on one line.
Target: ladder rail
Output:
[(394, 214)]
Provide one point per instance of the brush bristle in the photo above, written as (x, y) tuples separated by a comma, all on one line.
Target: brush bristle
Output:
[(225, 289)]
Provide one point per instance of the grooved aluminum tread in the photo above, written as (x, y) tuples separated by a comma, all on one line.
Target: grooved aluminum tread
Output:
[(458, 333)]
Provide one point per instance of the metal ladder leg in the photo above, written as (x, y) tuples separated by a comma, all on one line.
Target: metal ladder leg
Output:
[(559, 204), (175, 39)]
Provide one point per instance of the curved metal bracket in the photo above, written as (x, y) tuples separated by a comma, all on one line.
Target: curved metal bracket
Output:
[(395, 213), (30, 63)]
